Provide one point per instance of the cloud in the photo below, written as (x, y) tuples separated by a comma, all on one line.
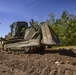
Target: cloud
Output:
[(29, 7), (25, 4), (5, 9), (9, 10)]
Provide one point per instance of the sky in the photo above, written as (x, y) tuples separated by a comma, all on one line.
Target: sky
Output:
[(25, 10)]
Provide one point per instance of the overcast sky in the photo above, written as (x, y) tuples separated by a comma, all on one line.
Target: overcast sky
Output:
[(24, 10)]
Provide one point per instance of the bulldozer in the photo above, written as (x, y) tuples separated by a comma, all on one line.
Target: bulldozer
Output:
[(30, 38)]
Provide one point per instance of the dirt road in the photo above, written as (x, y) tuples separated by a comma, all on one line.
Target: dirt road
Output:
[(51, 62)]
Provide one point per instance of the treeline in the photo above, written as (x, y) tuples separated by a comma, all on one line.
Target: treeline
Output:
[(65, 27)]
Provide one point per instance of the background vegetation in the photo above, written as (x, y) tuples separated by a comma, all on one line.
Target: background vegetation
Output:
[(65, 27)]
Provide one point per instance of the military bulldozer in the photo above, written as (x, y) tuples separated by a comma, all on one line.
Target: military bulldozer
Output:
[(29, 39)]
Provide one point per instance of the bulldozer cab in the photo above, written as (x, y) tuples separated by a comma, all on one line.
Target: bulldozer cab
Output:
[(18, 29)]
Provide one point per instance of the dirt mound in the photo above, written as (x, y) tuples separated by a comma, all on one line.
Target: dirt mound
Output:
[(51, 62)]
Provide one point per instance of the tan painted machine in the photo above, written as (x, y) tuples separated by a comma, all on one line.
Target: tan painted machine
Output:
[(24, 38)]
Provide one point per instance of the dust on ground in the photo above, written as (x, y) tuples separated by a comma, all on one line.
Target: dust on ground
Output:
[(50, 62)]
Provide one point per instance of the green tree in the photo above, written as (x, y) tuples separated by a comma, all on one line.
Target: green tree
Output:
[(51, 19), (65, 27)]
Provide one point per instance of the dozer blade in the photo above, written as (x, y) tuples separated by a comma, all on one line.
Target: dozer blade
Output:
[(49, 36)]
